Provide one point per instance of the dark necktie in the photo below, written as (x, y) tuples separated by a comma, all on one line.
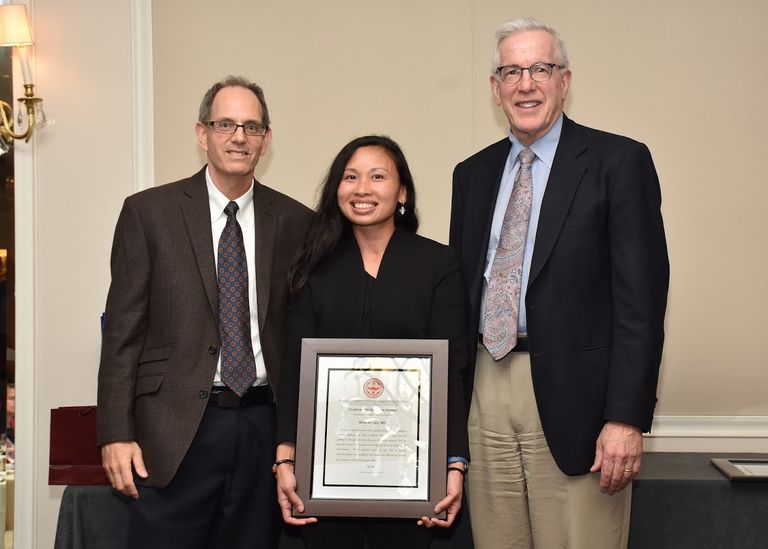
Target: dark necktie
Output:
[(238, 367), (502, 298)]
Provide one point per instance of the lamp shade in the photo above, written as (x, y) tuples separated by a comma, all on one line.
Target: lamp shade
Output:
[(14, 26)]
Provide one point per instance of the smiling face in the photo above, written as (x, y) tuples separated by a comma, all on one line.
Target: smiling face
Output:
[(370, 189), (233, 157), (531, 107)]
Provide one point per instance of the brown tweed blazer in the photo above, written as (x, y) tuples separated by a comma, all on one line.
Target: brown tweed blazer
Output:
[(161, 335)]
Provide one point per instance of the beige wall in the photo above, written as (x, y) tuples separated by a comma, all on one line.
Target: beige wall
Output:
[(685, 77), (70, 183)]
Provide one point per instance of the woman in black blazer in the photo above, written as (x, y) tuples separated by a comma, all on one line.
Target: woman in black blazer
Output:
[(365, 273)]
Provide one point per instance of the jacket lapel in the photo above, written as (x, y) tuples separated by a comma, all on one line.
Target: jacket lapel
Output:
[(197, 218), (568, 169), (485, 186), (351, 274), (265, 225)]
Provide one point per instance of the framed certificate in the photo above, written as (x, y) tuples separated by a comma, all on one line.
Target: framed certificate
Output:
[(371, 434)]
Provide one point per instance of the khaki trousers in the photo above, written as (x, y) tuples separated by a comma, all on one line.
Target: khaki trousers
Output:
[(518, 497)]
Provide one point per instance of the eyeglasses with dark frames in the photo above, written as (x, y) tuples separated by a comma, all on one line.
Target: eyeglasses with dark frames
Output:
[(228, 126), (539, 72)]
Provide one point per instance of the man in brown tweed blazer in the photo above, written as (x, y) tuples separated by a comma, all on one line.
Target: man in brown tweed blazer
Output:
[(193, 454)]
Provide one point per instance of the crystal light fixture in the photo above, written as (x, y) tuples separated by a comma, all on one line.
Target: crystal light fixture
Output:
[(15, 32)]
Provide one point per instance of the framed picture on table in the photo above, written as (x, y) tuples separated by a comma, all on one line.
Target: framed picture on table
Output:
[(742, 469)]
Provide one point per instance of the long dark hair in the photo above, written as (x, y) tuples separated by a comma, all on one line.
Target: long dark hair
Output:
[(330, 224)]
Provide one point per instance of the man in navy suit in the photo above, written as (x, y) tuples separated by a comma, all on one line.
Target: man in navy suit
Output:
[(557, 417)]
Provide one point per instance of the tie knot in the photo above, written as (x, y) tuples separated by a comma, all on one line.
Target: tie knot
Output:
[(231, 209), (526, 156)]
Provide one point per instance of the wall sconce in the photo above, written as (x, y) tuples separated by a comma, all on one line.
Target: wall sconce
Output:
[(15, 31)]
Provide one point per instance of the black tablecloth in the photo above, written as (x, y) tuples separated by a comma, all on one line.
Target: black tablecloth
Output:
[(96, 517), (679, 501), (92, 517)]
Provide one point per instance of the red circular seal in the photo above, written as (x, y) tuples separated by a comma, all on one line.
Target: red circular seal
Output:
[(373, 388)]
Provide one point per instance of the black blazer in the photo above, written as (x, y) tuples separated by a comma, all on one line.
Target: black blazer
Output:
[(419, 295), (161, 335), (597, 289)]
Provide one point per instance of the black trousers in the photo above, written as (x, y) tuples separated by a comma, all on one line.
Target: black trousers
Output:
[(223, 495), (362, 533)]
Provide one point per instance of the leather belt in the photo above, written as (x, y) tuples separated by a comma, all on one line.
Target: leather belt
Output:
[(520, 347), (223, 397)]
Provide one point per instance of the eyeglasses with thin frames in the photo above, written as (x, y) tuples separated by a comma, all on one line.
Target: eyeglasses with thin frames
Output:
[(539, 72), (252, 129)]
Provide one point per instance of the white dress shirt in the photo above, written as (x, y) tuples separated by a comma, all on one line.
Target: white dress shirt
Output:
[(245, 217)]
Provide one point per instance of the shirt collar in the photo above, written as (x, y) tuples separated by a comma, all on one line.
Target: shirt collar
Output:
[(218, 201), (544, 147)]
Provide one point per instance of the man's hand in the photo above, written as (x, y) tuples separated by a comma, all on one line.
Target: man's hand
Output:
[(119, 460), (451, 502), (618, 455)]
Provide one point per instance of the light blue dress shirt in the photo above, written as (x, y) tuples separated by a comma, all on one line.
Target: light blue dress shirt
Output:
[(544, 148)]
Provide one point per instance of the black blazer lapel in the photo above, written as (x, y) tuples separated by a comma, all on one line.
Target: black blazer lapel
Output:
[(197, 218), (265, 225), (351, 277), (486, 180), (568, 169)]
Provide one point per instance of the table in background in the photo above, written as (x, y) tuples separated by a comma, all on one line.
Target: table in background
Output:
[(679, 501), (92, 517)]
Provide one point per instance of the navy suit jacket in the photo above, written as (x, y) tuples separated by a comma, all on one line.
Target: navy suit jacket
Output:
[(597, 288)]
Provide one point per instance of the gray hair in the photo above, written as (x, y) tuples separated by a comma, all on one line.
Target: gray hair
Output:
[(524, 24), (230, 81)]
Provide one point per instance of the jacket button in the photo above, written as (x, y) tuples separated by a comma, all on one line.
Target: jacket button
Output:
[(212, 350), (203, 394)]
